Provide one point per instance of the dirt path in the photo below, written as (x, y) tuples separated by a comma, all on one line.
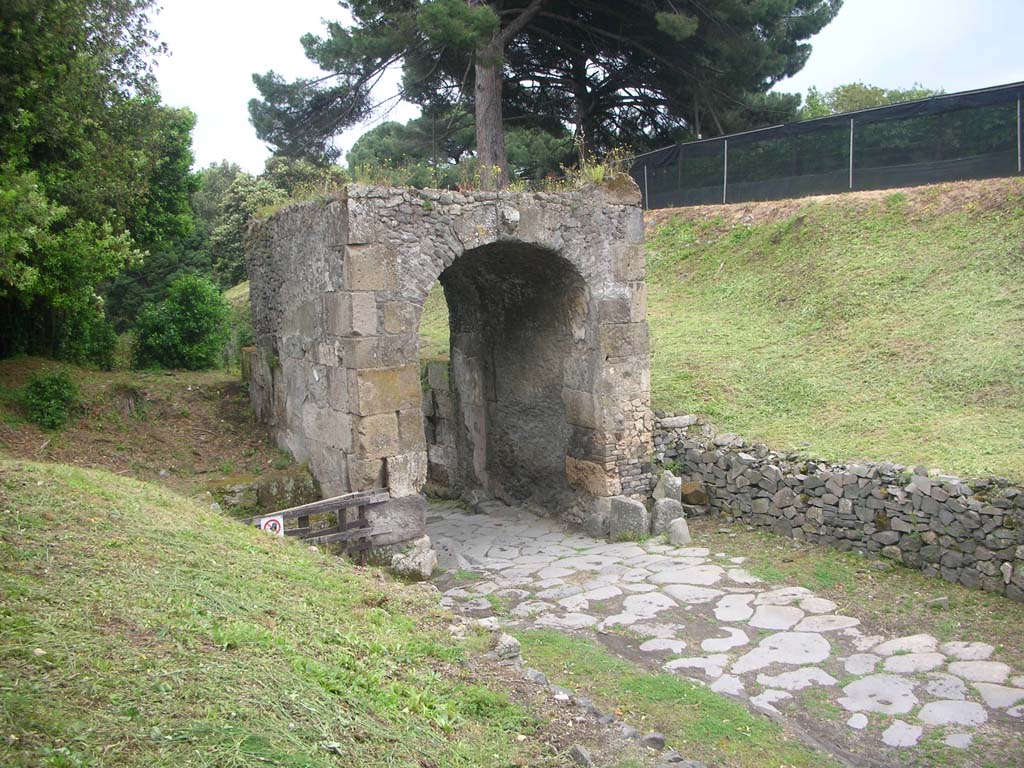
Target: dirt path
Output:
[(868, 699)]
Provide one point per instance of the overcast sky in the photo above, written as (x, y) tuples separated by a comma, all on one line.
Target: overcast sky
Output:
[(216, 45)]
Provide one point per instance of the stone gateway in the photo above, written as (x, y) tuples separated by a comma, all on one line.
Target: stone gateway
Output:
[(549, 372)]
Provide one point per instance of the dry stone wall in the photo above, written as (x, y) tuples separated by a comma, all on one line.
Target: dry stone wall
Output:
[(969, 532), (550, 367)]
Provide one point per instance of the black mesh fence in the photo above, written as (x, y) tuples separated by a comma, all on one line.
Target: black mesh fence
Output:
[(970, 135)]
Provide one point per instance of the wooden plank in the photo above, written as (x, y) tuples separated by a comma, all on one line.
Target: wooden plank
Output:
[(332, 504)]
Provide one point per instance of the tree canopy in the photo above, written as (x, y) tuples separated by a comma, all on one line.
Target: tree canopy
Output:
[(96, 171), (635, 72), (853, 96)]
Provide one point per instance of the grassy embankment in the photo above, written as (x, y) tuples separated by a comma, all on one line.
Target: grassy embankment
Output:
[(140, 629), (886, 326)]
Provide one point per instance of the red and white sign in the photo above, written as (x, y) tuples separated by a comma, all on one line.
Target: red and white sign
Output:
[(273, 524)]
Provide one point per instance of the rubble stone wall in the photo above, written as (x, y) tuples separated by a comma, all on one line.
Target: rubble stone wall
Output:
[(966, 531), (969, 532)]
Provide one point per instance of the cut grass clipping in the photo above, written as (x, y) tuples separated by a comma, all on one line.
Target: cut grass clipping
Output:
[(700, 724), (140, 629)]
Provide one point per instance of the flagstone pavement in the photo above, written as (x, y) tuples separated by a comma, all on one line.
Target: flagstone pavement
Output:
[(700, 614)]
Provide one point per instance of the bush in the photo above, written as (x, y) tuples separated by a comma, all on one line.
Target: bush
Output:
[(50, 399), (186, 330)]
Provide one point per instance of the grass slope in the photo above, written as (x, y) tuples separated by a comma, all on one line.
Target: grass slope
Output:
[(863, 326), (886, 326), (139, 629)]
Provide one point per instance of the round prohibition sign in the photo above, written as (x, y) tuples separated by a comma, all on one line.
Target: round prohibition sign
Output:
[(273, 525)]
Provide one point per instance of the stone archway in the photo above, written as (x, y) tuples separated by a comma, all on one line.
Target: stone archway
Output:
[(550, 351)]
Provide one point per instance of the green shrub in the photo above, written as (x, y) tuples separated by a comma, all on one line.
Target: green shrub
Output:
[(186, 330), (50, 399)]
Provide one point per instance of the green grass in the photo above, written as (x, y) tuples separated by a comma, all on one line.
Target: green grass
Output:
[(699, 723), (434, 330), (859, 328), (140, 629), (885, 330)]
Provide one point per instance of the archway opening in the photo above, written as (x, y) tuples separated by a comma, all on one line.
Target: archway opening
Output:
[(496, 417)]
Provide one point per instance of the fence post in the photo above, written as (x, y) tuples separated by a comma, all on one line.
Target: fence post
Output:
[(647, 199), (851, 153), (725, 171), (1020, 140)]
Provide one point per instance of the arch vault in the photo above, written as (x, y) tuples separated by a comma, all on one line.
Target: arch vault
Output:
[(550, 373)]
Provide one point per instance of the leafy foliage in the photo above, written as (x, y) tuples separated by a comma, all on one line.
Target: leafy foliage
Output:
[(631, 73), (241, 200), (96, 169), (438, 151), (187, 330), (854, 96), (50, 399)]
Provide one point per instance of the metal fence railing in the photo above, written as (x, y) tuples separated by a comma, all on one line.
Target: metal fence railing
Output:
[(967, 135)]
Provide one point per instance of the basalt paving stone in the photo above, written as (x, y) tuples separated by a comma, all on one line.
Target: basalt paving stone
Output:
[(952, 713), (887, 694), (735, 639), (663, 601), (687, 593), (791, 648), (798, 679), (914, 662), (945, 686), (999, 696), (734, 608), (861, 663), (981, 671), (901, 734), (775, 617), (967, 651)]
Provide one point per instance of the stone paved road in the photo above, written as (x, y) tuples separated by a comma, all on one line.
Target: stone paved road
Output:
[(700, 614)]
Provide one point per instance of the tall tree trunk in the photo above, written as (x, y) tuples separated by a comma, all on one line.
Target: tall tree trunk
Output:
[(490, 73), (490, 130)]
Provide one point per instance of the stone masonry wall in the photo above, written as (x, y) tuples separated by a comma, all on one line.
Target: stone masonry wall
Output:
[(550, 363), (969, 532)]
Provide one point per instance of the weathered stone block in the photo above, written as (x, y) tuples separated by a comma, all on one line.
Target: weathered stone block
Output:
[(366, 474), (383, 390), (351, 314), (581, 408), (628, 261), (397, 520), (401, 317), (377, 436), (406, 473), (679, 532), (629, 519), (370, 268), (624, 340), (668, 487), (598, 518), (331, 427), (411, 429), (665, 511), (418, 563), (694, 492), (590, 477)]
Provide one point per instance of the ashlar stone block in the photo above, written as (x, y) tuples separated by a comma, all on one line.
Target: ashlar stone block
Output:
[(384, 390), (377, 436)]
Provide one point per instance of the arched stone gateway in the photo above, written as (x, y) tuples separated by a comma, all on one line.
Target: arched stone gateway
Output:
[(550, 371)]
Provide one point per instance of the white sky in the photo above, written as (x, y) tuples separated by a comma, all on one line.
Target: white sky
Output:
[(216, 45)]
